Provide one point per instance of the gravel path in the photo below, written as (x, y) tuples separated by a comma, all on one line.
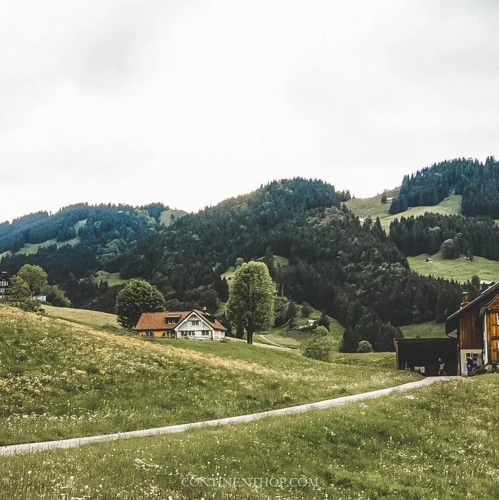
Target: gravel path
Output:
[(76, 442)]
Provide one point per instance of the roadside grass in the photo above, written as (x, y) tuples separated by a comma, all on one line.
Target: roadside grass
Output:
[(425, 444), (461, 269), (424, 330), (93, 319), (60, 379)]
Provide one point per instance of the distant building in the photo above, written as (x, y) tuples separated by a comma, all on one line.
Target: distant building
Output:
[(4, 284), (193, 325)]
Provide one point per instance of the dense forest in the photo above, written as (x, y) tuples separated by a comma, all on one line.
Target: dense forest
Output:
[(455, 235), (78, 241), (350, 270), (477, 182)]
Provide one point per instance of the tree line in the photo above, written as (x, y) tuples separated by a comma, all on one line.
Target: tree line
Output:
[(455, 235), (477, 182)]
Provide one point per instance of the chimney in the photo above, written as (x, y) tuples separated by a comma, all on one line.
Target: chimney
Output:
[(465, 299)]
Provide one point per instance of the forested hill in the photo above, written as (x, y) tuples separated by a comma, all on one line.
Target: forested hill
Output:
[(336, 263), (477, 182), (352, 270), (79, 240)]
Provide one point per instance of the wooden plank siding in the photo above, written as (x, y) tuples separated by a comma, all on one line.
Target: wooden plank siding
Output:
[(493, 329), (470, 330)]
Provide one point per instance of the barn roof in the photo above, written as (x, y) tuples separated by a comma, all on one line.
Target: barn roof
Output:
[(452, 321)]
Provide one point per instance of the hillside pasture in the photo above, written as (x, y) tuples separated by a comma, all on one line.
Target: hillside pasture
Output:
[(296, 338), (93, 319), (429, 329), (60, 379), (112, 279), (461, 269), (424, 444), (365, 207)]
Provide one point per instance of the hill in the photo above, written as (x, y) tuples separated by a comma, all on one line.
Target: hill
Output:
[(477, 182), (316, 249), (59, 379), (372, 207), (426, 444), (83, 248)]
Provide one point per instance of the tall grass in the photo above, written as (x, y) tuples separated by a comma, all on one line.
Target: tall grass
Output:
[(60, 380), (432, 443)]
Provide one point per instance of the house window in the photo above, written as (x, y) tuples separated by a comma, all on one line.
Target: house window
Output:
[(171, 321), (205, 333), (195, 322), (184, 334), (192, 334), (149, 334)]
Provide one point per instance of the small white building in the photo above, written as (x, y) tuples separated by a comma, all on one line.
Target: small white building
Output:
[(191, 325)]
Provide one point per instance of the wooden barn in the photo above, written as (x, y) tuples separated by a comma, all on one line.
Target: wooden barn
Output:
[(476, 324), (423, 355)]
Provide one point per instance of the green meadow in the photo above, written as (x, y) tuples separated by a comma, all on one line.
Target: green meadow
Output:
[(428, 443), (60, 379), (461, 269), (372, 207)]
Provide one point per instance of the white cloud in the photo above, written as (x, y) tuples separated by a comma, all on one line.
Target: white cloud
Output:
[(192, 102)]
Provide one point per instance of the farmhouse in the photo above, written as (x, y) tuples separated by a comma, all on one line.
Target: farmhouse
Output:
[(477, 326), (4, 284), (194, 325)]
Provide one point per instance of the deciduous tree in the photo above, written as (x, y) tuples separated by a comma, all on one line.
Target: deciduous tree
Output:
[(251, 299), (136, 297)]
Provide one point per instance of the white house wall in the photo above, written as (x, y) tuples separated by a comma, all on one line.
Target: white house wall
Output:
[(188, 326)]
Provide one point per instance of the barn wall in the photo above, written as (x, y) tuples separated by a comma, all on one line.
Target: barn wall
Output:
[(470, 331)]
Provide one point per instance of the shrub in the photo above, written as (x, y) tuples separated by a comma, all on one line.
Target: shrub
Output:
[(365, 346), (320, 345)]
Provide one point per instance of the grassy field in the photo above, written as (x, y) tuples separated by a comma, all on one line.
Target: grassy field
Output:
[(112, 279), (295, 339), (424, 330), (32, 248), (460, 269), (93, 319), (426, 444), (365, 207), (60, 379), (166, 216), (373, 207)]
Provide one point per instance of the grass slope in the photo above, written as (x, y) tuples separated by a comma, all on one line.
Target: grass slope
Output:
[(93, 319), (60, 379), (112, 279), (296, 339), (424, 330), (166, 216), (32, 248), (426, 444), (460, 269), (373, 207)]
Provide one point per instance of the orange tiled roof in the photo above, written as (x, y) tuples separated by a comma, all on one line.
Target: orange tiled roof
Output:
[(157, 320)]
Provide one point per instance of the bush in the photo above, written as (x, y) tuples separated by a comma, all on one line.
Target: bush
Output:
[(365, 346), (320, 346)]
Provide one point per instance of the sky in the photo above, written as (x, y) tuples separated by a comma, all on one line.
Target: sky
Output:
[(191, 102)]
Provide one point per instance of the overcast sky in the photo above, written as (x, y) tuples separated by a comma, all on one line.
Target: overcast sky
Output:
[(190, 102)]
